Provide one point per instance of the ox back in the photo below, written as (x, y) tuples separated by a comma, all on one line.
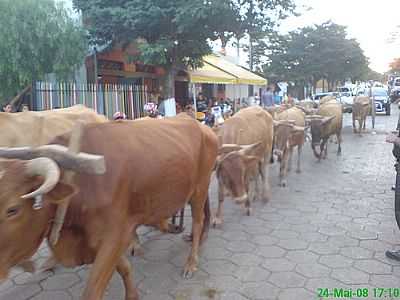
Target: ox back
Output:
[(33, 128)]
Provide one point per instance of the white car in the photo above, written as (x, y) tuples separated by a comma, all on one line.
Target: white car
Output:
[(346, 98)]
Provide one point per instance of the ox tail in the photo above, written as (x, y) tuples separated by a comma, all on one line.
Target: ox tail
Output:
[(271, 160), (206, 221)]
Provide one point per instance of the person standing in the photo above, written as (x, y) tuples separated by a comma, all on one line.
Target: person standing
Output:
[(267, 98)]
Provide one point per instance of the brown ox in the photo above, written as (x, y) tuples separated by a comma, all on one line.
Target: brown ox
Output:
[(152, 169), (289, 132), (245, 149), (328, 122), (361, 108), (34, 128)]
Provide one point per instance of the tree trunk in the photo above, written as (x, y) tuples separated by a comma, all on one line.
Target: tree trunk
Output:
[(168, 84), (250, 53)]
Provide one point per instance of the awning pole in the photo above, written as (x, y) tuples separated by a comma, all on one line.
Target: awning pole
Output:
[(194, 97)]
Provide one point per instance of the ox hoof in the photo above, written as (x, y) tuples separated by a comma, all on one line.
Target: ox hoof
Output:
[(188, 272), (137, 252), (248, 211), (49, 265), (298, 171), (188, 238), (175, 229), (216, 222)]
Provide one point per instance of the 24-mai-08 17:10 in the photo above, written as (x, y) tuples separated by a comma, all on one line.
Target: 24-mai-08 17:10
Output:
[(358, 293)]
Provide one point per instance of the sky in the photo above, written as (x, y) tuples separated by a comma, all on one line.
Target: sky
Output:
[(370, 22)]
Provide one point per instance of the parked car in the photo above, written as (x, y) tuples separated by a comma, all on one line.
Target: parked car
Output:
[(346, 98), (395, 90), (317, 97), (382, 100)]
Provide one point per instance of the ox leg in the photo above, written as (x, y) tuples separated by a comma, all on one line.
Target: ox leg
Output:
[(299, 149), (124, 269), (289, 167), (116, 241), (283, 169), (198, 202), (324, 149), (251, 195), (135, 249), (354, 124), (339, 138), (266, 189), (217, 219)]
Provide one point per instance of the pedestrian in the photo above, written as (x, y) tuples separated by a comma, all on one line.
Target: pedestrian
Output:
[(267, 98)]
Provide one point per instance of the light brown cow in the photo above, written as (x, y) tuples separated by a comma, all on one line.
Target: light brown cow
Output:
[(245, 149), (153, 168), (361, 109), (34, 128), (328, 122), (289, 132)]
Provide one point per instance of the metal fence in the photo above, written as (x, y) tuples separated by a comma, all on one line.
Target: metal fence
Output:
[(103, 98)]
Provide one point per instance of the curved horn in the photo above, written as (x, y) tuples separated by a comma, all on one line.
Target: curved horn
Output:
[(43, 167), (81, 162), (299, 128)]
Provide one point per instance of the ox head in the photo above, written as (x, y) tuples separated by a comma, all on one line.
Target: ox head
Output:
[(318, 124), (233, 164), (28, 191), (283, 131)]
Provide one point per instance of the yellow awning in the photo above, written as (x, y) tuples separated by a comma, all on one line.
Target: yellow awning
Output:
[(242, 75), (210, 74)]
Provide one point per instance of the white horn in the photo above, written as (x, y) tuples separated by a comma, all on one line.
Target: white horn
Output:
[(47, 168)]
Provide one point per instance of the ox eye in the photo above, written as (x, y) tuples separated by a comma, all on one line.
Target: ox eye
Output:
[(12, 211)]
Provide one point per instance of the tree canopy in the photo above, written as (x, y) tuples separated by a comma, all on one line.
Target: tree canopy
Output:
[(37, 37), (176, 33), (395, 65), (319, 52)]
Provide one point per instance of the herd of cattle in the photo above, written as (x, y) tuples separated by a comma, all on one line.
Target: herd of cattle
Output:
[(85, 184)]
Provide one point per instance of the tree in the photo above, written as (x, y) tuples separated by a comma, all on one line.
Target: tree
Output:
[(318, 52), (171, 33), (41, 38), (259, 20), (395, 65)]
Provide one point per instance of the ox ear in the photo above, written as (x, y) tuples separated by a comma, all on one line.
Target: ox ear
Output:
[(251, 161), (250, 150), (227, 148), (327, 120), (62, 192)]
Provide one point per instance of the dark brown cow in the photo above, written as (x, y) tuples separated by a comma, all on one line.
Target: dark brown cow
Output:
[(153, 168), (328, 122)]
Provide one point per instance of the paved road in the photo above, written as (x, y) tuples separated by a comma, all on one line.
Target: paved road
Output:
[(328, 229)]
